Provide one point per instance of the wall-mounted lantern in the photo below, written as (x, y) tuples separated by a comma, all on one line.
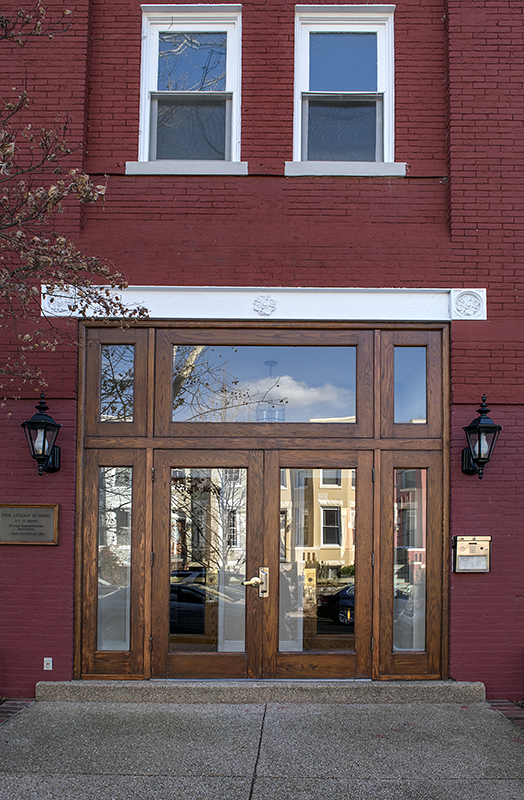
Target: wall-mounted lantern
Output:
[(482, 435), (41, 432)]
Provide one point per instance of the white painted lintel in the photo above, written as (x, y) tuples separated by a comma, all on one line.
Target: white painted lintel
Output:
[(277, 303)]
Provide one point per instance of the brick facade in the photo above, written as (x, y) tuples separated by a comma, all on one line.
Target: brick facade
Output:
[(455, 221)]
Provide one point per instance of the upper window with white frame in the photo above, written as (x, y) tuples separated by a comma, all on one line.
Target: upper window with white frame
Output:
[(190, 89), (344, 90)]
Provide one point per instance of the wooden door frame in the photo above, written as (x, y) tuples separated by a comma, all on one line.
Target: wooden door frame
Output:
[(378, 440)]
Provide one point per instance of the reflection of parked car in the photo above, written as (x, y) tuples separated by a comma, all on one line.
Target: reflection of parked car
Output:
[(187, 608), (340, 606)]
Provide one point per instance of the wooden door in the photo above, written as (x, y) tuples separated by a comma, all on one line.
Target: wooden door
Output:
[(301, 519)]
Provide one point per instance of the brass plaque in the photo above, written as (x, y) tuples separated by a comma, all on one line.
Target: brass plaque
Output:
[(25, 524)]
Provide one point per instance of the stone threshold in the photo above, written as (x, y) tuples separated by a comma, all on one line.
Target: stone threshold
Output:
[(261, 691)]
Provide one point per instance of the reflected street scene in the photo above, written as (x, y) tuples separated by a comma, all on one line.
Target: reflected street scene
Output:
[(409, 569), (207, 560), (317, 559)]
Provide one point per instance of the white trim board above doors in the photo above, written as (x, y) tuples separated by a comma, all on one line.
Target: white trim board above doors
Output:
[(277, 303)]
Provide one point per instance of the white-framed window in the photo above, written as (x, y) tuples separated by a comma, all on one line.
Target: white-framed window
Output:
[(190, 90), (331, 477), (331, 527), (344, 91), (232, 528)]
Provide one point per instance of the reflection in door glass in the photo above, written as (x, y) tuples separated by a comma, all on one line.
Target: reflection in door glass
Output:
[(117, 383), (114, 557), (409, 570), (317, 560), (207, 560), (410, 384), (263, 384)]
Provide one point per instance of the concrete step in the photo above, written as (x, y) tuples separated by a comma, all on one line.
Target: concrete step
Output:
[(259, 691)]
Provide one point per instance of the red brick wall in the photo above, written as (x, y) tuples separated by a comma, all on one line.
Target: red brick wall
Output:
[(455, 221)]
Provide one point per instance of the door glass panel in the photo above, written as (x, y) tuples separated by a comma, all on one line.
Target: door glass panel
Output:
[(317, 560), (207, 560), (114, 557), (410, 384), (409, 570), (263, 384), (117, 383)]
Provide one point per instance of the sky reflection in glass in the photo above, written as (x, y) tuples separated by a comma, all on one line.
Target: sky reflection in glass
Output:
[(263, 384)]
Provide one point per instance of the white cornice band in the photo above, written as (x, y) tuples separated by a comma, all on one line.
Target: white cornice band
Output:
[(277, 303)]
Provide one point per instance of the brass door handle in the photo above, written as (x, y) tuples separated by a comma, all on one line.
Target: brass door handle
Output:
[(253, 582), (262, 581)]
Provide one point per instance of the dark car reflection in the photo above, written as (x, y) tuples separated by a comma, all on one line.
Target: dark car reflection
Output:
[(340, 606), (187, 608)]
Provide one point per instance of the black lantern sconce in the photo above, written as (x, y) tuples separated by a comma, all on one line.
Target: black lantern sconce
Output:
[(41, 432), (482, 435)]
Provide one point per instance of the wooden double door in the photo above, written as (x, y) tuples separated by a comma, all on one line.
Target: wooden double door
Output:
[(258, 548)]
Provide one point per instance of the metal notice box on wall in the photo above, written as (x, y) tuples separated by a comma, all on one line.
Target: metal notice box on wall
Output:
[(471, 553)]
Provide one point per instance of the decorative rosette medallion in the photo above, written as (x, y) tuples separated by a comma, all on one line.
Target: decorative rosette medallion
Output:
[(264, 305), (468, 303)]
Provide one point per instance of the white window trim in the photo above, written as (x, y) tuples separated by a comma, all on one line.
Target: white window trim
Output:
[(188, 18), (333, 545), (363, 18)]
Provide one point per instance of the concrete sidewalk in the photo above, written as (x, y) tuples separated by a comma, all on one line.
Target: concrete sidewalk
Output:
[(265, 748)]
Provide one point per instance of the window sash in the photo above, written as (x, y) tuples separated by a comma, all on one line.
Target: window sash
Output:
[(341, 98), (199, 98)]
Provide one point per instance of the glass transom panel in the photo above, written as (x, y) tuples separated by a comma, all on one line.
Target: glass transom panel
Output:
[(117, 383), (263, 384), (410, 384)]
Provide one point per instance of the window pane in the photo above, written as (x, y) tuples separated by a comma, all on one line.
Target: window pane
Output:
[(117, 383), (114, 557), (409, 571), (331, 477), (263, 384), (317, 561), (410, 384), (343, 62), (192, 62), (208, 555), (191, 128), (342, 130)]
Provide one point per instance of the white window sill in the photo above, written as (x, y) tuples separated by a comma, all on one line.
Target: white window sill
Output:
[(186, 167), (387, 169)]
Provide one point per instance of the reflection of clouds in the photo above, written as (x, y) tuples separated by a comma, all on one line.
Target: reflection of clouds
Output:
[(299, 394)]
